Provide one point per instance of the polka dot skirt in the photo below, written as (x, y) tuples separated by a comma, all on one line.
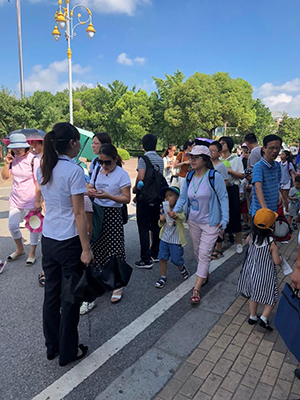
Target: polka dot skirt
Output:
[(111, 240)]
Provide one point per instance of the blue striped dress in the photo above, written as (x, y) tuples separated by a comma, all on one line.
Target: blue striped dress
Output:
[(258, 277)]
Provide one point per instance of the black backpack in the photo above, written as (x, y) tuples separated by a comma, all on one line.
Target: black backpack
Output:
[(154, 181), (211, 179)]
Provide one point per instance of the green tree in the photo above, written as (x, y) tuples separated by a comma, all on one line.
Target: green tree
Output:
[(264, 123), (289, 129)]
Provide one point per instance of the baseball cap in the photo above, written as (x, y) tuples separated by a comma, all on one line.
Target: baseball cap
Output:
[(199, 151), (174, 189), (265, 218)]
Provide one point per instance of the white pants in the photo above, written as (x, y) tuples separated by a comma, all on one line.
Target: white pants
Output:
[(14, 218)]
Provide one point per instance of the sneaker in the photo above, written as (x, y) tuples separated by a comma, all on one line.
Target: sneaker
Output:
[(184, 272), (253, 321), (143, 265), (86, 307), (297, 373), (154, 260), (161, 282), (294, 225), (22, 224), (239, 248), (2, 265), (265, 325)]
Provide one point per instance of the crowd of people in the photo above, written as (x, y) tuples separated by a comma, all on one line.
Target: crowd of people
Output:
[(220, 194)]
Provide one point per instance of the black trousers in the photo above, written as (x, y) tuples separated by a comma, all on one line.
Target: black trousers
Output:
[(147, 220), (60, 318), (234, 224)]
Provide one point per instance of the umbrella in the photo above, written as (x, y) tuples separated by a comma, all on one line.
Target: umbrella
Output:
[(31, 134), (86, 142)]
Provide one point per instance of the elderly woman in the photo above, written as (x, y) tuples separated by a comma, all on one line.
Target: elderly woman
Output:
[(22, 166), (204, 193)]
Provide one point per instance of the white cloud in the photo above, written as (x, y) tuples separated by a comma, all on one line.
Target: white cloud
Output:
[(54, 77), (128, 7), (285, 97), (123, 59), (147, 86)]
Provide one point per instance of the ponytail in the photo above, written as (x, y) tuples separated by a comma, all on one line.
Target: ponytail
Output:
[(56, 142), (49, 157)]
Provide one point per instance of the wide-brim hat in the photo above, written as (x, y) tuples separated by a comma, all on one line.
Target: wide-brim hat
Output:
[(18, 141), (199, 151), (174, 189), (265, 218)]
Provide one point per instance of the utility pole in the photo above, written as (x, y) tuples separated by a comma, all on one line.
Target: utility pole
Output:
[(20, 48)]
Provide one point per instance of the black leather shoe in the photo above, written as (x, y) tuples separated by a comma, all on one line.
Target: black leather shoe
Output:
[(84, 350)]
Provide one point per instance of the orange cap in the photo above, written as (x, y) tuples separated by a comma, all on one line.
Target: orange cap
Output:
[(265, 218)]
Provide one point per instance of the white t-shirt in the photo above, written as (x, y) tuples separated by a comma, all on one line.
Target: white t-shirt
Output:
[(236, 165), (111, 183), (67, 180), (222, 170)]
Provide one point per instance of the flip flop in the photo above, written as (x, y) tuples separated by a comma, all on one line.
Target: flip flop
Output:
[(30, 261), (115, 298), (13, 256)]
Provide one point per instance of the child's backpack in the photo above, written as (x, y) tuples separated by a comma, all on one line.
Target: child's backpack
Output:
[(154, 181), (282, 230), (211, 179)]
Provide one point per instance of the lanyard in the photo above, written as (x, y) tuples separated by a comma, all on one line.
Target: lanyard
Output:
[(196, 190)]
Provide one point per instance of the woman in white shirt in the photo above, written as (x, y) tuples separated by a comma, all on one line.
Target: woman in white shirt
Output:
[(169, 164), (110, 186), (65, 242)]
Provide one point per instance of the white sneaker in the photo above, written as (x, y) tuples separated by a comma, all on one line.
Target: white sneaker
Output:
[(22, 224), (239, 248), (86, 307)]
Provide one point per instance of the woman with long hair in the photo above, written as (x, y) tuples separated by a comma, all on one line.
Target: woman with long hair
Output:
[(169, 164), (110, 186), (98, 140), (288, 174), (183, 161), (22, 166), (65, 242), (204, 193)]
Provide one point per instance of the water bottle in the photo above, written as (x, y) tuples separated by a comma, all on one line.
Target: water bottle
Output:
[(140, 185)]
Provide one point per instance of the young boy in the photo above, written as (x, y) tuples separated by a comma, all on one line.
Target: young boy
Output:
[(172, 238), (294, 200)]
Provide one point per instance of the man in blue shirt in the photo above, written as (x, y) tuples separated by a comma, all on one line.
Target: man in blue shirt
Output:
[(266, 176)]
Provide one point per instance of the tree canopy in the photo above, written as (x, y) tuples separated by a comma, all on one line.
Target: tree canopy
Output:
[(179, 109)]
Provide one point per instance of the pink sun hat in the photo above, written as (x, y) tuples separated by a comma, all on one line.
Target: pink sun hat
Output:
[(34, 221), (199, 151)]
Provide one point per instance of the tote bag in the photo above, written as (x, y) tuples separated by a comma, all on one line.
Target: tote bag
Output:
[(287, 319)]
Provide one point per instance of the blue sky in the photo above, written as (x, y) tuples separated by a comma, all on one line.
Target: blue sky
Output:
[(257, 40)]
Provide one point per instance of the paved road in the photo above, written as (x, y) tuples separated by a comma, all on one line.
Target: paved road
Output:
[(24, 368)]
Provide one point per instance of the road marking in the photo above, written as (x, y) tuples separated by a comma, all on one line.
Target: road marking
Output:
[(70, 380)]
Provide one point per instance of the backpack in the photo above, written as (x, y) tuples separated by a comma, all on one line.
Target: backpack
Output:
[(282, 230), (124, 206), (211, 179), (154, 181)]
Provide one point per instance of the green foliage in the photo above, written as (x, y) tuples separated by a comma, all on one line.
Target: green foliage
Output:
[(289, 129), (123, 154), (179, 109)]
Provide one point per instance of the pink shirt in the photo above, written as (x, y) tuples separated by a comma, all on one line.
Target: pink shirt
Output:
[(22, 194)]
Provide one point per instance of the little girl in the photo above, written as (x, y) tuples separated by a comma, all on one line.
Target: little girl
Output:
[(258, 277)]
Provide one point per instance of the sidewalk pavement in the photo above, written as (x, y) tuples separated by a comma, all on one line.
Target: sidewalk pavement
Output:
[(238, 361)]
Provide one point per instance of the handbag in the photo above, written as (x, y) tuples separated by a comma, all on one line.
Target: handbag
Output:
[(124, 214), (287, 319), (99, 279), (98, 216)]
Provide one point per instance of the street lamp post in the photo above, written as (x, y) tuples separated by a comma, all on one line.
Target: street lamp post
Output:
[(65, 22)]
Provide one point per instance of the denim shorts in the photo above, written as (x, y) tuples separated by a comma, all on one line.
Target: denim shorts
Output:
[(173, 251)]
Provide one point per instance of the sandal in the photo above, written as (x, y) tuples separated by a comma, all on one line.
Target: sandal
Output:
[(216, 255), (42, 279), (195, 298), (115, 298)]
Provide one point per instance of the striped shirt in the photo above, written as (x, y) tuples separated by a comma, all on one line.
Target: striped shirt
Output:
[(155, 160), (269, 175)]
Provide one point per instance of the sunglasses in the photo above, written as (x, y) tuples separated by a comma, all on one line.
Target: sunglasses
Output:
[(105, 162)]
